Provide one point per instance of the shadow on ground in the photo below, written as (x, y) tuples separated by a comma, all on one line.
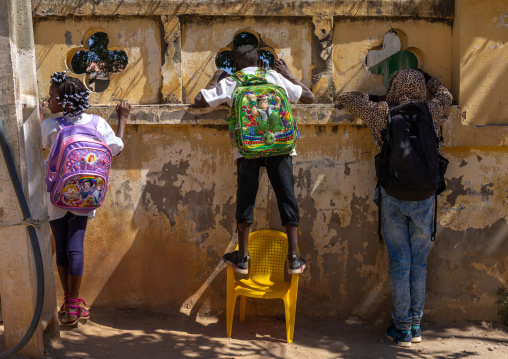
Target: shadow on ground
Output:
[(115, 333)]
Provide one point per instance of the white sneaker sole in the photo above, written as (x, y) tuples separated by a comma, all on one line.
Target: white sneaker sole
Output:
[(297, 271), (416, 340), (399, 344), (236, 268)]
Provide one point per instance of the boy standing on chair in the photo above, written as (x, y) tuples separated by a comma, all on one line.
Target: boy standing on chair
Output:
[(279, 168)]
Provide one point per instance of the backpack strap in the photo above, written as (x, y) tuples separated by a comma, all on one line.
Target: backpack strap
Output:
[(63, 122), (245, 80), (380, 199), (239, 76), (433, 235), (94, 121), (262, 73)]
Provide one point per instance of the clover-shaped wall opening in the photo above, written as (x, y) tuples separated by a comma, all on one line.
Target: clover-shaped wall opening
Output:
[(225, 56), (393, 55), (97, 60)]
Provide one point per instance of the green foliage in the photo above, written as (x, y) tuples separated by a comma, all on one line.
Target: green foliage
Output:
[(502, 296)]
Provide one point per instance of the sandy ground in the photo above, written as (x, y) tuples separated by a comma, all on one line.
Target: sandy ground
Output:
[(114, 333)]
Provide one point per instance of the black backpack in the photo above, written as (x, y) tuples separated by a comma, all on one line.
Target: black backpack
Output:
[(409, 166)]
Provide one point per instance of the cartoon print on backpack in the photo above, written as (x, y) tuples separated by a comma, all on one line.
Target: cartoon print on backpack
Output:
[(86, 189), (266, 113)]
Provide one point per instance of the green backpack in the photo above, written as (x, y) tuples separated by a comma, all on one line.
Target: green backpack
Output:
[(261, 123)]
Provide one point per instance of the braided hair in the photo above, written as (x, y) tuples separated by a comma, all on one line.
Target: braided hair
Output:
[(72, 94)]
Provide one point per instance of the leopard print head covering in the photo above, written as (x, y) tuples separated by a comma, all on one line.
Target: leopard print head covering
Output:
[(407, 85)]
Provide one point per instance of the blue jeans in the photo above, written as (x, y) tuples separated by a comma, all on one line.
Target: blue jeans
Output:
[(407, 229)]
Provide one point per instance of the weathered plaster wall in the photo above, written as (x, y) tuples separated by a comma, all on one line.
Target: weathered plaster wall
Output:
[(169, 215), (351, 48), (139, 37), (481, 78), (20, 121), (202, 38)]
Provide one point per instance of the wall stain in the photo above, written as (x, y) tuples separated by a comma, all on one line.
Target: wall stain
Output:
[(455, 185), (306, 243), (161, 191), (457, 189), (68, 38)]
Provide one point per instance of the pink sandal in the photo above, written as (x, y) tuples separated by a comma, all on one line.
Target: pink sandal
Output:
[(62, 311), (82, 313)]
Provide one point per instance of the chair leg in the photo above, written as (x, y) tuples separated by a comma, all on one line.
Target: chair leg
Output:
[(230, 300), (243, 307), (290, 307)]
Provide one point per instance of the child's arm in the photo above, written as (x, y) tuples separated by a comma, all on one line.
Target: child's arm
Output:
[(441, 97), (123, 110), (282, 68), (199, 100), (365, 106), (42, 110)]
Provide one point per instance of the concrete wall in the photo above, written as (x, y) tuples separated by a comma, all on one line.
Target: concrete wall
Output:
[(169, 215), (20, 119)]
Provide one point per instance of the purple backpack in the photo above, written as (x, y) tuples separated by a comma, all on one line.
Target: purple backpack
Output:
[(77, 172)]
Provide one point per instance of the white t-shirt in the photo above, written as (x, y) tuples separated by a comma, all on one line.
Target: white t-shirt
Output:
[(50, 129), (223, 92)]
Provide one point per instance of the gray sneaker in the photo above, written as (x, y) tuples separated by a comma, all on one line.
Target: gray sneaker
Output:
[(239, 265), (296, 264)]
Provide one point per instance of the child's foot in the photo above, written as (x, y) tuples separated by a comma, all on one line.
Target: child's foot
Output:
[(401, 338), (62, 311), (296, 264), (239, 265), (77, 315), (416, 334)]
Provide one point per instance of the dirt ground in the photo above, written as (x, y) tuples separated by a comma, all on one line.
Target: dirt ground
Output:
[(114, 333)]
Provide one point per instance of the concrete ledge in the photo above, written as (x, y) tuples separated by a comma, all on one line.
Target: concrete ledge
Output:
[(375, 8), (191, 115), (456, 133)]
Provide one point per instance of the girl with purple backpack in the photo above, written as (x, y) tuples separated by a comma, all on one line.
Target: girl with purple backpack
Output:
[(68, 205)]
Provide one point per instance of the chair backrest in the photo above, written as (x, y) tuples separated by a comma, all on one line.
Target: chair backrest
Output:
[(268, 251)]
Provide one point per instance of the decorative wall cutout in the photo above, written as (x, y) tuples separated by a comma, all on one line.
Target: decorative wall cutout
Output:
[(97, 61), (390, 58), (225, 59)]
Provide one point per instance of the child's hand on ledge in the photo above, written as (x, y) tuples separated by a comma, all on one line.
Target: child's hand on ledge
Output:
[(123, 110)]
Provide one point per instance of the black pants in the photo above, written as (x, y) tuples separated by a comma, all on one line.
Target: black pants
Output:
[(280, 173)]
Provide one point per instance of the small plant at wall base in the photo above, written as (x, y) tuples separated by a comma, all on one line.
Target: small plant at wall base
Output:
[(502, 295)]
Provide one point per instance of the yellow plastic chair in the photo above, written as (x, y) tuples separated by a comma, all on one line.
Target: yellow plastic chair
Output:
[(268, 251)]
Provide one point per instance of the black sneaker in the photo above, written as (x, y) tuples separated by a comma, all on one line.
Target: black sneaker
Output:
[(296, 264), (239, 265), (416, 334), (401, 338)]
